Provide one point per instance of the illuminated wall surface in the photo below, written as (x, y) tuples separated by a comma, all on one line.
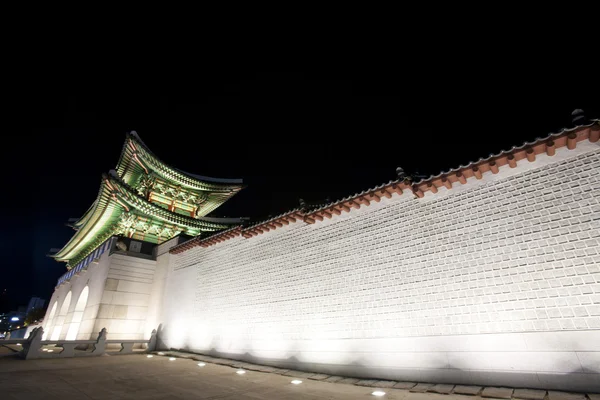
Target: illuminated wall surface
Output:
[(493, 282), (114, 293)]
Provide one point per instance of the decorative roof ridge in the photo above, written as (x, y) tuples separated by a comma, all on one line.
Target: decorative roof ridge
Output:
[(136, 138), (426, 184), (207, 241), (274, 223), (264, 221), (548, 144), (502, 153), (395, 184)]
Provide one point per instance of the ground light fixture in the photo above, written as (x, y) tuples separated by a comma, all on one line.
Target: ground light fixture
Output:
[(201, 364), (149, 356), (50, 351), (240, 372), (171, 358), (160, 353), (296, 381), (378, 393)]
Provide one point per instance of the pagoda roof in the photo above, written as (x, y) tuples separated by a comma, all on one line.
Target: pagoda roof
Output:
[(137, 159), (117, 195), (114, 198)]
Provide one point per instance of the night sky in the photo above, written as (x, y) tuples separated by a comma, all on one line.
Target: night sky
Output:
[(289, 135)]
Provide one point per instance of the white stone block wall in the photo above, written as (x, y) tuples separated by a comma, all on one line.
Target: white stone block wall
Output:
[(119, 296), (123, 309), (493, 282), (158, 284), (94, 277)]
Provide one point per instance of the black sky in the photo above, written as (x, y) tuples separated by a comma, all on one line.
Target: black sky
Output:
[(289, 135)]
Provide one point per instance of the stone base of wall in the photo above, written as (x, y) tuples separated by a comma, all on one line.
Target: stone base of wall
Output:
[(544, 360)]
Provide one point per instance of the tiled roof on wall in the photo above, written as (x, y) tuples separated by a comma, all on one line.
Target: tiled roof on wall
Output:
[(528, 151)]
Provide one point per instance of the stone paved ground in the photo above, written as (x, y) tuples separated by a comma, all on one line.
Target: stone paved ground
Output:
[(140, 377)]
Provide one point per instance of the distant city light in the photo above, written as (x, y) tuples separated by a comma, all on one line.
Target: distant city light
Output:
[(14, 319), (296, 381)]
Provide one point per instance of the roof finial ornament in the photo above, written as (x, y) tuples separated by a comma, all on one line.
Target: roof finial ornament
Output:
[(578, 117), (400, 172), (403, 176), (302, 203)]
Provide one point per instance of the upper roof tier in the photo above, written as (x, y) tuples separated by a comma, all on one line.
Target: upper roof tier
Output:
[(136, 159)]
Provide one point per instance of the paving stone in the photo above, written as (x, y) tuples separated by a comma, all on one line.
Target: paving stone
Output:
[(441, 388), (529, 394), (566, 396), (298, 374), (222, 361), (334, 378), (348, 381), (385, 384), (594, 396), (254, 367), (497, 392), (264, 368), (367, 382), (422, 387), (404, 385), (319, 377), (469, 390), (280, 371), (202, 358)]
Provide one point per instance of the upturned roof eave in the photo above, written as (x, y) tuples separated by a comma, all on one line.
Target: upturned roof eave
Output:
[(198, 182), (130, 200), (96, 212)]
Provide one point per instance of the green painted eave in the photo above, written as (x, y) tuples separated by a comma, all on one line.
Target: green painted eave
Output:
[(135, 153), (98, 221), (101, 220)]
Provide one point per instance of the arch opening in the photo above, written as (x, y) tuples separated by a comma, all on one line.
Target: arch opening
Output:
[(78, 315), (50, 321), (60, 319)]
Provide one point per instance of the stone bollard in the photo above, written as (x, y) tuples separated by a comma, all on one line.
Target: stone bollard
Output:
[(152, 341), (100, 345), (31, 348), (7, 336)]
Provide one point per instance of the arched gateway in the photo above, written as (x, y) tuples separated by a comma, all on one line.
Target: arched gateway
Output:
[(111, 258)]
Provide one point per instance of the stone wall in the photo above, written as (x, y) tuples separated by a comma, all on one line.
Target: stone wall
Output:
[(496, 282), (94, 278), (124, 306), (119, 288)]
